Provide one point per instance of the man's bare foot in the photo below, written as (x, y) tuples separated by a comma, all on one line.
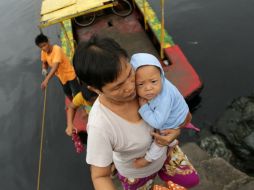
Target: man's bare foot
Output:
[(140, 163)]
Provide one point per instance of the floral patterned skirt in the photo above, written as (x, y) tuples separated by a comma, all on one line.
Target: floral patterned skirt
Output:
[(176, 168)]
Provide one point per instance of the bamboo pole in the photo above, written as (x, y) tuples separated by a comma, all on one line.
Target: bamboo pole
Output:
[(67, 39), (162, 30), (145, 14)]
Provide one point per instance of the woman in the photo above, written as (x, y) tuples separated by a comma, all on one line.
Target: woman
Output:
[(116, 132)]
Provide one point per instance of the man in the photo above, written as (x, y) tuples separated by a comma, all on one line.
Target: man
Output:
[(53, 56)]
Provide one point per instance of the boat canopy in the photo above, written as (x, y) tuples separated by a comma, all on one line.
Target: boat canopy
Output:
[(56, 11)]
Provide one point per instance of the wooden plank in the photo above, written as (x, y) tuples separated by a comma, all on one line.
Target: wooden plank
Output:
[(181, 73), (49, 6), (80, 7)]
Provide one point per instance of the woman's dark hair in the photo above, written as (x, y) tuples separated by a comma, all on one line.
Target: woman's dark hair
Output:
[(86, 93), (97, 62), (41, 38)]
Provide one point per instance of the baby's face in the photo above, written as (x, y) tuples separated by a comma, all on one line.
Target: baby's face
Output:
[(148, 82)]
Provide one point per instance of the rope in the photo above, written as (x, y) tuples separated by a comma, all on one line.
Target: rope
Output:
[(42, 137)]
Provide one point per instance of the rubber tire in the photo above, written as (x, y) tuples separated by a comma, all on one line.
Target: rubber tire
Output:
[(84, 24), (126, 2)]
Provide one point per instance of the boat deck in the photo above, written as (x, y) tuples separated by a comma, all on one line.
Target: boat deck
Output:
[(130, 34), (127, 31)]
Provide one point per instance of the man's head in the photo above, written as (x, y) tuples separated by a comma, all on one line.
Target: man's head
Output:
[(148, 75), (43, 43), (104, 66)]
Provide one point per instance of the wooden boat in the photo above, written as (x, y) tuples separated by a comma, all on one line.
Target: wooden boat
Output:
[(140, 31)]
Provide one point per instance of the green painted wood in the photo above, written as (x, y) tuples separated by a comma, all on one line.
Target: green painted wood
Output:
[(154, 23), (64, 42)]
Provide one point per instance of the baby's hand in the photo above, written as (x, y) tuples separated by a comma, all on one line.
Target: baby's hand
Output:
[(140, 163), (142, 101)]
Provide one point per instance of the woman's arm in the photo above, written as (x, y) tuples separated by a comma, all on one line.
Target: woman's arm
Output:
[(101, 178), (168, 135)]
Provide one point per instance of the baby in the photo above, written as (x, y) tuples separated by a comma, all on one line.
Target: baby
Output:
[(161, 104)]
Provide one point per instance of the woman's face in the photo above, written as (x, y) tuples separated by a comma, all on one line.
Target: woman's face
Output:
[(123, 88)]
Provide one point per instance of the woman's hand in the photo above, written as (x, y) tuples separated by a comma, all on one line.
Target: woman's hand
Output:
[(168, 135)]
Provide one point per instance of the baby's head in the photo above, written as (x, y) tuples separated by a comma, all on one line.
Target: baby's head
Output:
[(148, 75)]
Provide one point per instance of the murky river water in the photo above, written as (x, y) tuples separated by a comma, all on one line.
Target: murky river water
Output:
[(216, 36)]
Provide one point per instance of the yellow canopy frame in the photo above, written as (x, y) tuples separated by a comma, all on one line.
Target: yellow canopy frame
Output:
[(56, 11)]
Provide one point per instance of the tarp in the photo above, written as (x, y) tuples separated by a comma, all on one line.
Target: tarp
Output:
[(54, 11)]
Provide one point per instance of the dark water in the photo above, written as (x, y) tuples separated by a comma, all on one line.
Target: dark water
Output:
[(216, 36), (21, 110)]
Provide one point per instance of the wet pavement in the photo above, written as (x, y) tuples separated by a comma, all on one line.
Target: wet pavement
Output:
[(216, 36)]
